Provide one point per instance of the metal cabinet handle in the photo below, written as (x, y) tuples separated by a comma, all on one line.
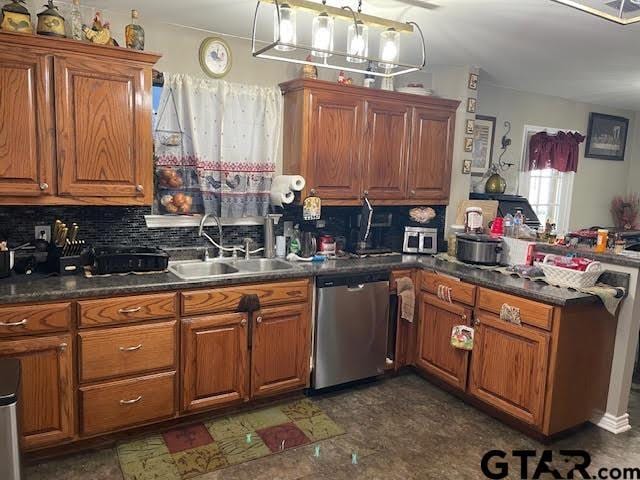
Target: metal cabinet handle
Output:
[(413, 192), (44, 186), (129, 402), (313, 192), (366, 193), (14, 324), (130, 310), (131, 349), (243, 322), (476, 322), (139, 188), (62, 347), (259, 319), (463, 317)]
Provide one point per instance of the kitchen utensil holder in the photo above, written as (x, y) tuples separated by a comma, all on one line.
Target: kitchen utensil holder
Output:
[(63, 265)]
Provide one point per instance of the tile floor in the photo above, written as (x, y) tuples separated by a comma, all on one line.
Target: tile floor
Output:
[(400, 428)]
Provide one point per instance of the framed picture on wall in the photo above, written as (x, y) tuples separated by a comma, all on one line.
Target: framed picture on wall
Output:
[(471, 105), (473, 81), (606, 137), (469, 127), (483, 137)]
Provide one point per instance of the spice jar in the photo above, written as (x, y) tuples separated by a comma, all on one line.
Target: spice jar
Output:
[(603, 238), (473, 220)]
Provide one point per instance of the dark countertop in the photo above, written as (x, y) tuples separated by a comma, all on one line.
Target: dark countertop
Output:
[(609, 257), (38, 289)]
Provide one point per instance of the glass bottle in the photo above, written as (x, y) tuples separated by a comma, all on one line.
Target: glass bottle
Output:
[(134, 33), (75, 21)]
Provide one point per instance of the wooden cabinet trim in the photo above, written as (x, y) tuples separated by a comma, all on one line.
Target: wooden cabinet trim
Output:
[(115, 352), (33, 319), (532, 313), (122, 310), (537, 340)]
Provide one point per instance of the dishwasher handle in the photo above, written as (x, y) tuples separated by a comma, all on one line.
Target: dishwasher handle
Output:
[(355, 288), (351, 280)]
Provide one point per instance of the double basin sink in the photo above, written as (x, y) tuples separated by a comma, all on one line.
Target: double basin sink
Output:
[(220, 268)]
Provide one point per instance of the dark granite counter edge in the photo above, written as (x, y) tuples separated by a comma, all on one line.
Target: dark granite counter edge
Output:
[(68, 288)]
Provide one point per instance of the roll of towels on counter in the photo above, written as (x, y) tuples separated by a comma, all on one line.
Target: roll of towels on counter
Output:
[(283, 188), (407, 294)]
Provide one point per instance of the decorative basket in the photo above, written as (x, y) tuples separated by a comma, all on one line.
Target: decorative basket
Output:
[(566, 277)]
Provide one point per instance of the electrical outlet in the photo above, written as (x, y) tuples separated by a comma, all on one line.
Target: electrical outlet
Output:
[(43, 229)]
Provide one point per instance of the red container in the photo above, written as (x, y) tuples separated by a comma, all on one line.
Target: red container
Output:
[(497, 227)]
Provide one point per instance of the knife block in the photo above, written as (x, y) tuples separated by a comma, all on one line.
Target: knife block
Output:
[(63, 265)]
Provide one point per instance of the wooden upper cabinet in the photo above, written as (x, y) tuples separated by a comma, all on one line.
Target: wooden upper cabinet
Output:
[(26, 124), (215, 360), (436, 355), (103, 127), (350, 142), (75, 123), (280, 350), (336, 129), (431, 154), (386, 150), (509, 366), (46, 397)]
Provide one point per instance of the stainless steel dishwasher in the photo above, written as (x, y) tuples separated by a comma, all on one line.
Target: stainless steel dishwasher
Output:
[(351, 328)]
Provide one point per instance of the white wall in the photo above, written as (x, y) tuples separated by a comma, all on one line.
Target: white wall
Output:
[(597, 181)]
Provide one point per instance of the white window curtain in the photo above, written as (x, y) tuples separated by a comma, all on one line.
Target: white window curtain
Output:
[(216, 145)]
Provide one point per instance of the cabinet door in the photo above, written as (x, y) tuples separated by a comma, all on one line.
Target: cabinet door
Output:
[(26, 124), (386, 150), (436, 355), (431, 154), (214, 361), (509, 367), (104, 129), (335, 137), (46, 394), (280, 350)]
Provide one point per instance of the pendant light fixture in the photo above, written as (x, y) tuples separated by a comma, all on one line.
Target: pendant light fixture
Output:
[(322, 34), (357, 38), (352, 57), (284, 28)]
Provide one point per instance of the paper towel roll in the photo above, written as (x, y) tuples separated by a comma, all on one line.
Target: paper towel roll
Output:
[(295, 183), (280, 197)]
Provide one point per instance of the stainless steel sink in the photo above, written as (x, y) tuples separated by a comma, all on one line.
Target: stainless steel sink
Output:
[(262, 265), (195, 269)]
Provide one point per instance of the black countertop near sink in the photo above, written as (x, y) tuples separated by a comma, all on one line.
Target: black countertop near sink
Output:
[(37, 289)]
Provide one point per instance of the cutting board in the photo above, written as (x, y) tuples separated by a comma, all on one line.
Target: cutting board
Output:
[(489, 210)]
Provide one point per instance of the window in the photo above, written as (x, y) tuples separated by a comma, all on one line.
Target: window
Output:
[(548, 191)]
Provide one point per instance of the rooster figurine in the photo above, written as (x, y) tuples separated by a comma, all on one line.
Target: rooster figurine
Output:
[(99, 33)]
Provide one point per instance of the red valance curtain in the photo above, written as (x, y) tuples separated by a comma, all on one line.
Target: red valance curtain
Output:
[(559, 152)]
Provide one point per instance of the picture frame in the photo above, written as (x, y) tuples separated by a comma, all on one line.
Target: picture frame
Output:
[(468, 144), (466, 167), (469, 126), (606, 137), (483, 140), (473, 81), (215, 57), (472, 103)]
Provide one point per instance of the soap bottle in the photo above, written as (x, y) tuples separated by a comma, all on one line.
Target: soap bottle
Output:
[(294, 245)]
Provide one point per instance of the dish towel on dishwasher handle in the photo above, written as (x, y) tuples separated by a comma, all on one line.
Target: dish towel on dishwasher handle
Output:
[(407, 294)]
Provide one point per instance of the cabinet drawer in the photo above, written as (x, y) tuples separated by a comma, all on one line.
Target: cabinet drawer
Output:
[(228, 299), (25, 320), (532, 313), (460, 291), (113, 352), (115, 405), (126, 309)]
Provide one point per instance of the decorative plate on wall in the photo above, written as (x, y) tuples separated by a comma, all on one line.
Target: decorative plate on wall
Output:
[(215, 57)]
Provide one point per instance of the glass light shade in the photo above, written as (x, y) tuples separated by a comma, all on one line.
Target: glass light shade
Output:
[(357, 42), (389, 48), (322, 35), (286, 27)]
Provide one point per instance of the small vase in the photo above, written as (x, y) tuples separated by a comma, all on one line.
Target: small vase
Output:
[(75, 21), (495, 184), (134, 33)]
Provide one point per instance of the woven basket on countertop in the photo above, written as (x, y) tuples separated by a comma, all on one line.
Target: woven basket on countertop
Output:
[(567, 277)]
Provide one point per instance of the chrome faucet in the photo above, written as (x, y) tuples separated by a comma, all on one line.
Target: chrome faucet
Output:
[(202, 233)]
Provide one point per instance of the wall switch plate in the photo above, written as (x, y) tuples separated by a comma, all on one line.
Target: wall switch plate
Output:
[(43, 228)]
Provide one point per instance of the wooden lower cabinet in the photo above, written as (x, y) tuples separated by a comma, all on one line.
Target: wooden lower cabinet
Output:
[(214, 361), (46, 397), (436, 355), (280, 350), (509, 367)]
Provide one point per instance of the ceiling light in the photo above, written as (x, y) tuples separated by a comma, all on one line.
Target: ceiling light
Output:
[(616, 13), (284, 28), (352, 57)]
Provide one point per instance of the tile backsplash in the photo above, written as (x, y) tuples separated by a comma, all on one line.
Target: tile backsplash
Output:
[(105, 226)]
